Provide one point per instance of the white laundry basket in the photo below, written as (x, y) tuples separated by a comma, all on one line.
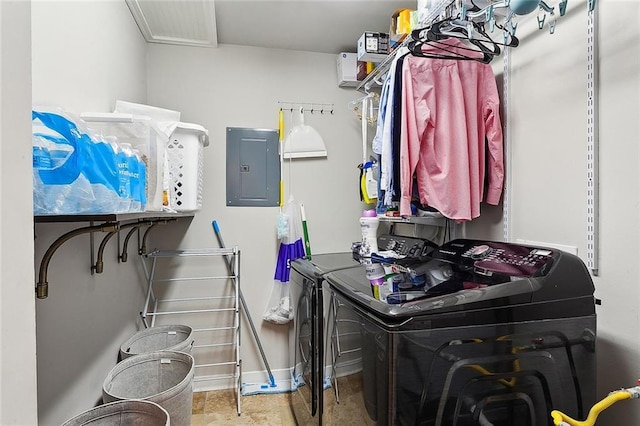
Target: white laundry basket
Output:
[(122, 413), (186, 163), (178, 338), (163, 377)]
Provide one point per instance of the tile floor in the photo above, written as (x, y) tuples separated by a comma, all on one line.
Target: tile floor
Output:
[(219, 408)]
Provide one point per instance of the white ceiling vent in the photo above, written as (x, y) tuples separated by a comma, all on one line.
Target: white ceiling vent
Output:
[(184, 22)]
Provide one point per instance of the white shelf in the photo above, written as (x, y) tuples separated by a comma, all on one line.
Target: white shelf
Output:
[(417, 220), (383, 66)]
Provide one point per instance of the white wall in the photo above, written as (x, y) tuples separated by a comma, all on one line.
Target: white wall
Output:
[(85, 56), (85, 318), (234, 86), (548, 116), (17, 307), (617, 283)]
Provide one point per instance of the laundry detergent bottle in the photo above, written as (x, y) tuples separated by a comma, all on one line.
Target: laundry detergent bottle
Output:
[(369, 226), (376, 276)]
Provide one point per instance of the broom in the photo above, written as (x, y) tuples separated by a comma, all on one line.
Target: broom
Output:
[(270, 387)]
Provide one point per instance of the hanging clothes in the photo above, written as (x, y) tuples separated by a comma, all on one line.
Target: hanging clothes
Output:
[(388, 126), (439, 134), (450, 108)]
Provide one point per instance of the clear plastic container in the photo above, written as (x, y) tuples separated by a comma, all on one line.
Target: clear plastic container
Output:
[(143, 134)]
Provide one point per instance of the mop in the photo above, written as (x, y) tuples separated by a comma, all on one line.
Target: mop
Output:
[(251, 388), (289, 233)]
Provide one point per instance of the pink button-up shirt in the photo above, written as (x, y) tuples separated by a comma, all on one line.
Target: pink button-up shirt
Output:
[(449, 108)]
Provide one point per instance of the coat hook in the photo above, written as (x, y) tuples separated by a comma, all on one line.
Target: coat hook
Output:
[(541, 20)]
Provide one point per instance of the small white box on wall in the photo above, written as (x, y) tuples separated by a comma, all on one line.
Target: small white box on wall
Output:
[(347, 68)]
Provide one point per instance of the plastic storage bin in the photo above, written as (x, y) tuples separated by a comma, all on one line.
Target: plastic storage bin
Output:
[(77, 171), (185, 160), (178, 338), (122, 413), (163, 377), (143, 134)]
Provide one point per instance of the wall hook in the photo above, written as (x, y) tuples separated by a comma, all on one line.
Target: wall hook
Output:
[(541, 20), (552, 23), (562, 6)]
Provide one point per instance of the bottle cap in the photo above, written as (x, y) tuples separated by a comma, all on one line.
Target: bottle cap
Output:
[(377, 281), (369, 213)]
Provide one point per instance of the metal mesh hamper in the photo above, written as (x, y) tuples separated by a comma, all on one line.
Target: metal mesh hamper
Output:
[(122, 413), (177, 338), (163, 377)]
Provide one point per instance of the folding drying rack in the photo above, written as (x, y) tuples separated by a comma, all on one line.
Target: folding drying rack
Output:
[(222, 302)]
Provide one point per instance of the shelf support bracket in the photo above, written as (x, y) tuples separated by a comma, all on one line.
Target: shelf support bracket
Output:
[(42, 287), (98, 266), (142, 250), (124, 255)]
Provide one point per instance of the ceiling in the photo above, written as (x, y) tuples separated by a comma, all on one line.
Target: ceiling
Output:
[(326, 26)]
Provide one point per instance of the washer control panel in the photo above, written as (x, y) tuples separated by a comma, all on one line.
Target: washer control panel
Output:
[(489, 257), (405, 246)]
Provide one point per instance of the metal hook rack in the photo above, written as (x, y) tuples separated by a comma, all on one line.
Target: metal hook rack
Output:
[(311, 107)]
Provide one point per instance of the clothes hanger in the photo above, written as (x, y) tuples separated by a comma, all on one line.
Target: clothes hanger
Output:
[(443, 50), (461, 21), (420, 38), (467, 20), (466, 30)]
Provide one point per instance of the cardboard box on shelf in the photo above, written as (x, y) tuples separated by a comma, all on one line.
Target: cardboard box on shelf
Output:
[(362, 70), (373, 46), (400, 27)]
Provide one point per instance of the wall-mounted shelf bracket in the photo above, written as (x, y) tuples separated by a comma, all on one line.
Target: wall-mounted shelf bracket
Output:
[(98, 266), (142, 248), (112, 223), (42, 287)]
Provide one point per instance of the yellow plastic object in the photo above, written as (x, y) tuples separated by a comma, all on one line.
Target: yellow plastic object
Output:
[(281, 136), (560, 418), (404, 22), (370, 67), (368, 188)]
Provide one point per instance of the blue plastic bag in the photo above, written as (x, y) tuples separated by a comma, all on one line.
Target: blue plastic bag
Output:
[(75, 173)]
